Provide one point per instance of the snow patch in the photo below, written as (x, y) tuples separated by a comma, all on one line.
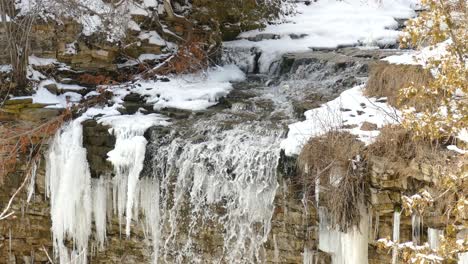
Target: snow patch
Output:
[(328, 24), (348, 113)]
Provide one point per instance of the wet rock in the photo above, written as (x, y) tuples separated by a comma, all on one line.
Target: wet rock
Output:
[(52, 88), (19, 101), (98, 142), (38, 114), (367, 126), (265, 36), (287, 165)]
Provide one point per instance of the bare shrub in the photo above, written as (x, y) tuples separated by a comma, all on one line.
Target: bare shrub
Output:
[(332, 163), (190, 57), (397, 144), (386, 80)]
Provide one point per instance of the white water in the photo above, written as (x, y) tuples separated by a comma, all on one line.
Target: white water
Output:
[(345, 248), (233, 169)]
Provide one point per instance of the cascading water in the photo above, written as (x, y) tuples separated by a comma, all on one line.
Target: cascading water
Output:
[(211, 177), (228, 180)]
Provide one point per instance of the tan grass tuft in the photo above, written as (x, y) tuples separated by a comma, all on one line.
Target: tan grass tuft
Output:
[(386, 80), (333, 161)]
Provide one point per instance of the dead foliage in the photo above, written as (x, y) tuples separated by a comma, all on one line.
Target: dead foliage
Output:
[(398, 144), (22, 141), (190, 57), (333, 163), (386, 80), (89, 79)]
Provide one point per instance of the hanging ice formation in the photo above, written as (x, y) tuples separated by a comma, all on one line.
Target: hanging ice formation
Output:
[(68, 185), (416, 228), (345, 248), (396, 235), (433, 237), (233, 171)]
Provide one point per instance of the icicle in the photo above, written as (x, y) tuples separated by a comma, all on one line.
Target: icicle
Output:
[(235, 169), (68, 183), (128, 156), (463, 258), (307, 257), (396, 235), (463, 236), (377, 223), (149, 202), (416, 228), (345, 248), (276, 250), (32, 182), (433, 237), (99, 197)]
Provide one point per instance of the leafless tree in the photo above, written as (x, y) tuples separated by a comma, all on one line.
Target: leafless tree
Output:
[(18, 34)]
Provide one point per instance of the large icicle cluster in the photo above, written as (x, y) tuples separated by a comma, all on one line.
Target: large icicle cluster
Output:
[(68, 182), (350, 247), (231, 170), (74, 201)]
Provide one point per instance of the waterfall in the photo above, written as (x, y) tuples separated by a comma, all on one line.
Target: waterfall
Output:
[(345, 248), (396, 235), (228, 180)]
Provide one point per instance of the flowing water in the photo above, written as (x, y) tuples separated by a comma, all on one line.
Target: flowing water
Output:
[(201, 187)]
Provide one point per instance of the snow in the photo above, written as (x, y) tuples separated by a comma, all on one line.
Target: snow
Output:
[(36, 61), (5, 68), (149, 56), (346, 113), (191, 91), (43, 96), (329, 24), (420, 57), (153, 38)]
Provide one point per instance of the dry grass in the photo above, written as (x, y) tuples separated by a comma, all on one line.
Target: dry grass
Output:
[(386, 80), (332, 161), (398, 144)]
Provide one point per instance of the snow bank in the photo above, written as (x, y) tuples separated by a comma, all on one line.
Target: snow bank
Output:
[(192, 91), (329, 24), (348, 112), (420, 57)]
